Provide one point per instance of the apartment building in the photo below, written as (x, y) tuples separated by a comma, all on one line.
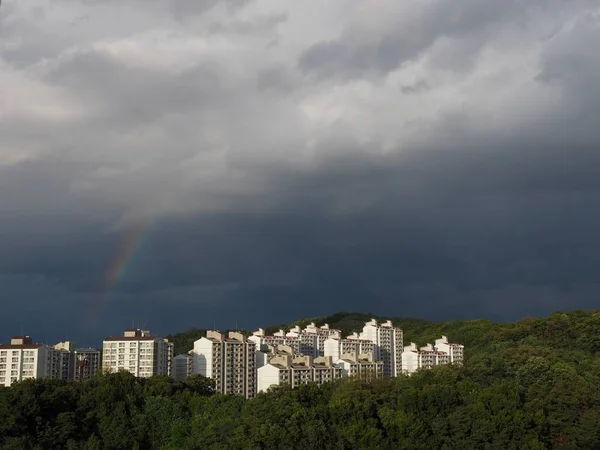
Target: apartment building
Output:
[(322, 333), (388, 344), (262, 340), (137, 352), (63, 361), (87, 363), (360, 366), (418, 358), (454, 351), (22, 359), (295, 371), (229, 360), (414, 358), (182, 367), (365, 346), (353, 344), (324, 371), (308, 343)]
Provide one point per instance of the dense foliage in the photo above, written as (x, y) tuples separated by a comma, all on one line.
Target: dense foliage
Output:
[(534, 384)]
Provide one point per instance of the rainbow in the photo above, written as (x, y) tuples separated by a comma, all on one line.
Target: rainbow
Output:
[(125, 256), (121, 263)]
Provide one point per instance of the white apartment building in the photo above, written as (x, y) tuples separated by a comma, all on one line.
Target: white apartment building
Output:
[(295, 371), (454, 351), (429, 356), (137, 352), (365, 346), (308, 341), (360, 366), (229, 360), (87, 363), (182, 367), (64, 360), (415, 358), (269, 352), (315, 337), (262, 340), (22, 359), (335, 347), (388, 341)]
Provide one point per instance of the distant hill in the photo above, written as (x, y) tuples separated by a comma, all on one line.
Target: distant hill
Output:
[(577, 330)]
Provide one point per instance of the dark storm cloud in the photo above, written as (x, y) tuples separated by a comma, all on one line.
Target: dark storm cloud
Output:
[(413, 242), (443, 166)]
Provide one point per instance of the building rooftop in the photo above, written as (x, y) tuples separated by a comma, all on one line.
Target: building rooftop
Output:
[(130, 338), (279, 366), (437, 352), (361, 361), (21, 340), (20, 346)]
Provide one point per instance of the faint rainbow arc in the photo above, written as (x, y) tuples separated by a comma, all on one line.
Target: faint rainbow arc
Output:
[(120, 265)]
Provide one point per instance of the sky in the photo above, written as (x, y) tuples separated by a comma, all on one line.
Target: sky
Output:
[(182, 163)]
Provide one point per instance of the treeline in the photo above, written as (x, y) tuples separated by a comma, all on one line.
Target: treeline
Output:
[(576, 330), (530, 385)]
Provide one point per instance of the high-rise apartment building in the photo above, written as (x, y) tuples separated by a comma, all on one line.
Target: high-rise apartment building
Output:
[(353, 344), (182, 367), (388, 342), (429, 356), (312, 338), (22, 359), (137, 352), (323, 333), (415, 358), (64, 360), (454, 351), (87, 363), (308, 342), (295, 371), (360, 366), (229, 360), (261, 340)]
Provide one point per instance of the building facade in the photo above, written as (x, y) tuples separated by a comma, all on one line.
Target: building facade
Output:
[(362, 367), (429, 356), (454, 351), (137, 352), (262, 340), (295, 371), (182, 367), (87, 363), (388, 345), (308, 342), (322, 333), (64, 360), (353, 344), (22, 359), (229, 360)]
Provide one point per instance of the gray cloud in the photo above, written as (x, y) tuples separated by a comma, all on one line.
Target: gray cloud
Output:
[(406, 33), (417, 159)]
